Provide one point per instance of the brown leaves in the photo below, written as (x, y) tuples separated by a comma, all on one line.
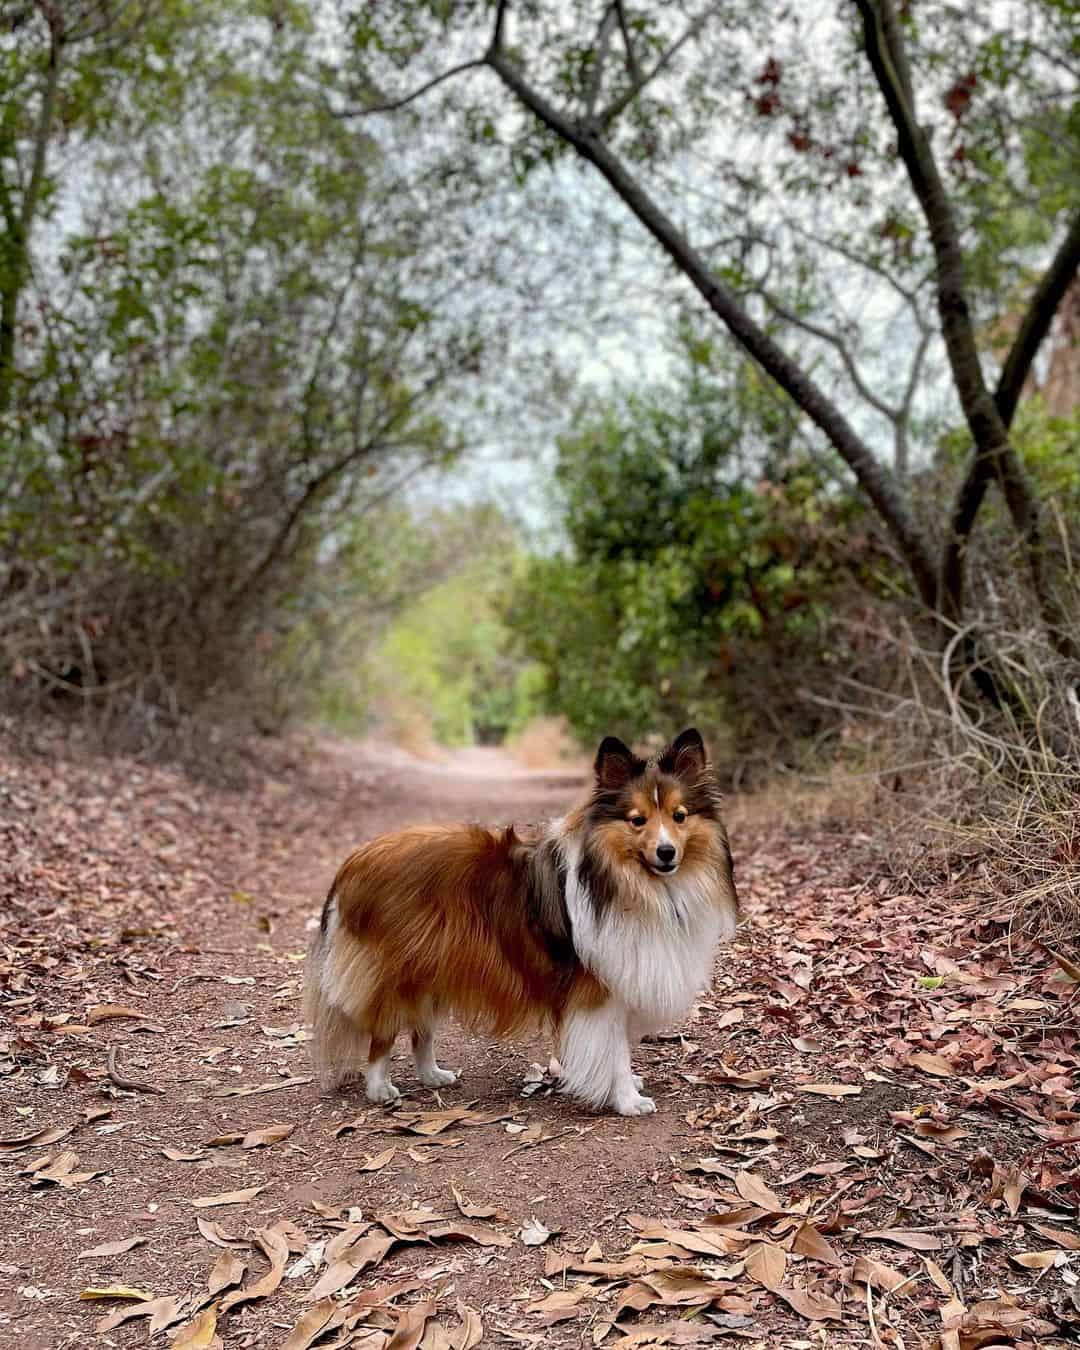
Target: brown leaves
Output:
[(907, 1237), (48, 1134), (410, 1327), (767, 1264), (276, 1250), (266, 1135), (200, 1333), (105, 1012), (836, 1090), (755, 1192), (256, 1089), (379, 1161), (112, 1248), (228, 1198), (472, 1211), (808, 1241), (937, 1065)]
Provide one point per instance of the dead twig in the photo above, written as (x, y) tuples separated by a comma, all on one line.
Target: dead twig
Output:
[(123, 1081)]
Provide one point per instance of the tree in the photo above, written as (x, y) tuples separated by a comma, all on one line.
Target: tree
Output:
[(897, 140), (229, 348)]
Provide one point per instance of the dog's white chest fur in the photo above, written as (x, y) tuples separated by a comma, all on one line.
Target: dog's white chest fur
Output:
[(653, 960)]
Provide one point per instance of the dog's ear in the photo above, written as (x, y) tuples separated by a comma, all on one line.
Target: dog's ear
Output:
[(686, 756), (615, 765)]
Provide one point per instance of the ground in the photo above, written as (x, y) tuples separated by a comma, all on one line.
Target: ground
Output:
[(866, 1131)]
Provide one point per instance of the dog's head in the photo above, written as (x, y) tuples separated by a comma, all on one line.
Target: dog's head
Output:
[(655, 816)]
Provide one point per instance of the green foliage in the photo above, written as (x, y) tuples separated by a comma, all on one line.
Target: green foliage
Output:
[(692, 589), (230, 350), (429, 655)]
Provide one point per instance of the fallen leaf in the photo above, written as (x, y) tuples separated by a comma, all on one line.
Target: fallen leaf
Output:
[(268, 1134), (471, 1331), (162, 1312), (410, 1327), (1059, 1235), (175, 1155), (766, 1264), (722, 1076), (472, 1211), (276, 1250), (378, 1162), (561, 1305), (932, 1064), (200, 1333), (814, 1307), (228, 1270), (213, 1232), (907, 1237), (809, 1242), (106, 1011), (876, 1273), (534, 1234), (938, 1276), (832, 1089), (229, 1197), (311, 1325), (753, 1189), (112, 1248), (48, 1134), (116, 1291), (1036, 1260)]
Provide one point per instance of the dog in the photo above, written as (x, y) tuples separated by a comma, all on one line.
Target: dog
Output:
[(602, 925)]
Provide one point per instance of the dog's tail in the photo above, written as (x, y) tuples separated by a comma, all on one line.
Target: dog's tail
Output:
[(339, 1045)]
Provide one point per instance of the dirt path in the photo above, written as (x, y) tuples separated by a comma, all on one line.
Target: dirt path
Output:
[(875, 1089)]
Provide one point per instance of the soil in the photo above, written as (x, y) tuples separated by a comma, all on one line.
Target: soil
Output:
[(880, 1060)]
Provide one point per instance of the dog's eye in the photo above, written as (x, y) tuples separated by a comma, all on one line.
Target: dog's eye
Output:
[(637, 821), (678, 815)]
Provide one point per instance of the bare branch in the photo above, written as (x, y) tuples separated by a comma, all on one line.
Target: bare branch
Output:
[(500, 26), (632, 64), (884, 47), (619, 105), (600, 51), (840, 346), (394, 104), (1037, 320), (874, 478)]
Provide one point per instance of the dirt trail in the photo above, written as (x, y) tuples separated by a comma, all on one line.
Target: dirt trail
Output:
[(853, 1060)]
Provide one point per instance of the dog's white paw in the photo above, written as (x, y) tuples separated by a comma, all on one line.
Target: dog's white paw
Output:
[(383, 1093), (438, 1078), (637, 1081), (634, 1105)]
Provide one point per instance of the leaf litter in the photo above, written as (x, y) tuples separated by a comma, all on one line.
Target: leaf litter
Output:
[(949, 1213)]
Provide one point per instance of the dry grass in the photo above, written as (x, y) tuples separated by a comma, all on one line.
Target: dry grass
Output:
[(546, 743), (938, 785)]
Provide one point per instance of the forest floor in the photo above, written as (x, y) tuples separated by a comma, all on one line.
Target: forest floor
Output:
[(867, 1130)]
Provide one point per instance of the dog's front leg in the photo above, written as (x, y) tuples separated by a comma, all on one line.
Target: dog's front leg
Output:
[(594, 1050)]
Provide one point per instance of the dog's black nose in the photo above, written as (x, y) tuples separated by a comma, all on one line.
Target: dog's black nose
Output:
[(665, 853)]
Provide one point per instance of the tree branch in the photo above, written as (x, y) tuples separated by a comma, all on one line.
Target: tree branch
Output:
[(600, 50), (393, 105), (874, 478), (884, 47), (619, 105), (632, 65), (838, 344), (1036, 323)]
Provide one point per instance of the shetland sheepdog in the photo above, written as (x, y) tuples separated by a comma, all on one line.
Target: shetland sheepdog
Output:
[(601, 925)]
